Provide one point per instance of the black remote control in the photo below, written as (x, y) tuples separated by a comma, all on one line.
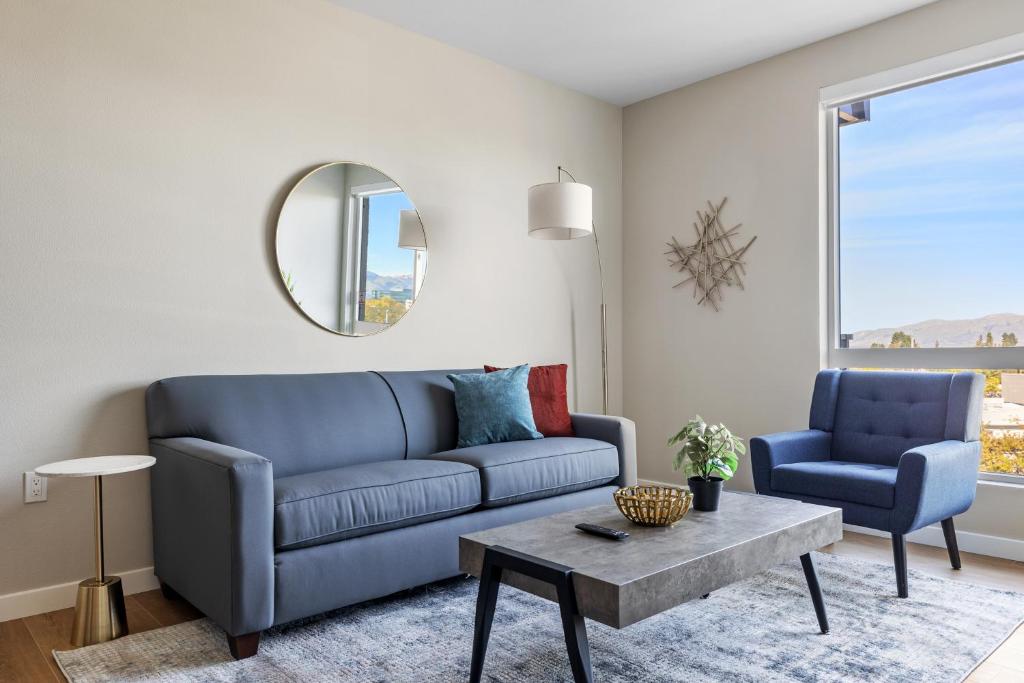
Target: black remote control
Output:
[(614, 534)]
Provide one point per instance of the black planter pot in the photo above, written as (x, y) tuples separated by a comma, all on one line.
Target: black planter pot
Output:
[(706, 493)]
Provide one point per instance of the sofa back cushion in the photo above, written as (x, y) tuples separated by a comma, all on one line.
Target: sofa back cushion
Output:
[(880, 415), (301, 423), (426, 399)]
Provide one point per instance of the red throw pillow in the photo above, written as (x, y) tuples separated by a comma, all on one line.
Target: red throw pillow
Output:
[(546, 385)]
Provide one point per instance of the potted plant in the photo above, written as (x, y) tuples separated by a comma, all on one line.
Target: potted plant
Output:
[(709, 455)]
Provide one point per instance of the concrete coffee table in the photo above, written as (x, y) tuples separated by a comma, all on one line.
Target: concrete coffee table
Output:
[(619, 583)]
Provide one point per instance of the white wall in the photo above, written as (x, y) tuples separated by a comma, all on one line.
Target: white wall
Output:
[(147, 146), (752, 135)]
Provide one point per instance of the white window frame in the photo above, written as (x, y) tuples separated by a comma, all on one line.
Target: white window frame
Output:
[(352, 251), (957, 63), (954, 64)]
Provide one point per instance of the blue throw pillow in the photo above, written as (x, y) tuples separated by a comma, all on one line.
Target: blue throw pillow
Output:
[(494, 407)]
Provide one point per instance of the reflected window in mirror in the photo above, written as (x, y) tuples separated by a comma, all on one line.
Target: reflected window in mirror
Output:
[(351, 249)]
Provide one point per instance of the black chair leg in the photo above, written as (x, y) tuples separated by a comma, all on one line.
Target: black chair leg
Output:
[(899, 554), (954, 551)]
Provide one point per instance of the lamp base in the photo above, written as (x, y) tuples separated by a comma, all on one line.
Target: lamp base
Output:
[(99, 612)]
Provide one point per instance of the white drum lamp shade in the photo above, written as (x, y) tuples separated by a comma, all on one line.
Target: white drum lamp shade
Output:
[(561, 211), (410, 231)]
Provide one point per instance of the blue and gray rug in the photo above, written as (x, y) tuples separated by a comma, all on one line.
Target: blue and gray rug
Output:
[(762, 629)]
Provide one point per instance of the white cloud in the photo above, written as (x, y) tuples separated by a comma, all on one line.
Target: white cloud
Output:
[(941, 99), (977, 143), (931, 198), (881, 243)]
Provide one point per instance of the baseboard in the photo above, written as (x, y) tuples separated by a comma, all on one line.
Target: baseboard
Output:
[(50, 598), (969, 541)]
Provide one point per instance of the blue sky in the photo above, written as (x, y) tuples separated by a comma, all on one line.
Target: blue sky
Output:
[(932, 203), (383, 255)]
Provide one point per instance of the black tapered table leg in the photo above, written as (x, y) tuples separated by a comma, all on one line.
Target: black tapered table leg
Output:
[(575, 629), (815, 589), (951, 547), (487, 598), (497, 559), (899, 556)]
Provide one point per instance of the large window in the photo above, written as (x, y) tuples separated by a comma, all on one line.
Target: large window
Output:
[(931, 214), (925, 198)]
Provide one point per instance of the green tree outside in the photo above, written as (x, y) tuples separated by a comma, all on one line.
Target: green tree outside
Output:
[(1003, 454), (383, 309), (901, 340)]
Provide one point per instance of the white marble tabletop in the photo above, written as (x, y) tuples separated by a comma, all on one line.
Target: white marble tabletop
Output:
[(95, 467)]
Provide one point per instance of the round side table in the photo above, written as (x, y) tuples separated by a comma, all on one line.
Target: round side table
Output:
[(99, 610)]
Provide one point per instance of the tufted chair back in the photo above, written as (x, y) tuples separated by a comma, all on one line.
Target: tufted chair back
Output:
[(875, 417)]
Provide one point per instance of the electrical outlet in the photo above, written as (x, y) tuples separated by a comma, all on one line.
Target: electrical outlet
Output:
[(35, 488)]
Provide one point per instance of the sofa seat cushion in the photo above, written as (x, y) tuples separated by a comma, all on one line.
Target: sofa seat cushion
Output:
[(322, 507), (853, 482), (518, 471)]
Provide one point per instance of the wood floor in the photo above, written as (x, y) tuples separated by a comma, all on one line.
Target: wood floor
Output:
[(25, 644)]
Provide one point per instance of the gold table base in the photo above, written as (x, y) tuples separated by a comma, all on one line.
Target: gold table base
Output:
[(99, 612)]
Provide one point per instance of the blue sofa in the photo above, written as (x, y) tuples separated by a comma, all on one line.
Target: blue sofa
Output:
[(896, 451), (277, 497)]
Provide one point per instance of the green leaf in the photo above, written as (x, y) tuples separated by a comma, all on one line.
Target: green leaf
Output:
[(706, 450)]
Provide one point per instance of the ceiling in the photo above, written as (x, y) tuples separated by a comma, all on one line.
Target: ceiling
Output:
[(623, 51)]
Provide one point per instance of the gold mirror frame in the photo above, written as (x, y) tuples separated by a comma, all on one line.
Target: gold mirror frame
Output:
[(277, 249)]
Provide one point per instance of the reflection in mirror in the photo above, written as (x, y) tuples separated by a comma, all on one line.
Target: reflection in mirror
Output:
[(351, 249)]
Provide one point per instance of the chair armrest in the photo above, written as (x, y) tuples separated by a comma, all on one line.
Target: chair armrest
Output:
[(213, 528), (783, 448), (935, 482), (618, 431)]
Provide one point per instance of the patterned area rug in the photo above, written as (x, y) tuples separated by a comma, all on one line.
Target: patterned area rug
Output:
[(762, 629)]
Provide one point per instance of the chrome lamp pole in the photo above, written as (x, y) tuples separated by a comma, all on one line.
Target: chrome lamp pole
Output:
[(564, 211)]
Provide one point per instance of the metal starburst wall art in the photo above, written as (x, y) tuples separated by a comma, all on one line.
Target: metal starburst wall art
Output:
[(713, 261)]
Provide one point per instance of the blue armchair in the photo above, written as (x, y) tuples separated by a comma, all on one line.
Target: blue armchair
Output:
[(896, 451)]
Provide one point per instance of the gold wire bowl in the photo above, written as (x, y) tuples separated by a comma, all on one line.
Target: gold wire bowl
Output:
[(653, 505)]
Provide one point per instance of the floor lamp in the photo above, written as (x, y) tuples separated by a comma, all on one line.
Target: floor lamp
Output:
[(564, 211)]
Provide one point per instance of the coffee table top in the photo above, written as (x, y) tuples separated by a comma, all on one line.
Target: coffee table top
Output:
[(622, 582)]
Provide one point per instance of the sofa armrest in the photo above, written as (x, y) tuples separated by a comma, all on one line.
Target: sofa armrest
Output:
[(935, 482), (618, 431), (213, 527), (783, 448)]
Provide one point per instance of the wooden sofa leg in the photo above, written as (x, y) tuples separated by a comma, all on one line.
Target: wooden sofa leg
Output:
[(899, 555), (954, 550), (168, 592), (245, 645)]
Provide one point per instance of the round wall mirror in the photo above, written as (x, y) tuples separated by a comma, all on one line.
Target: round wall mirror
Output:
[(351, 249)]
